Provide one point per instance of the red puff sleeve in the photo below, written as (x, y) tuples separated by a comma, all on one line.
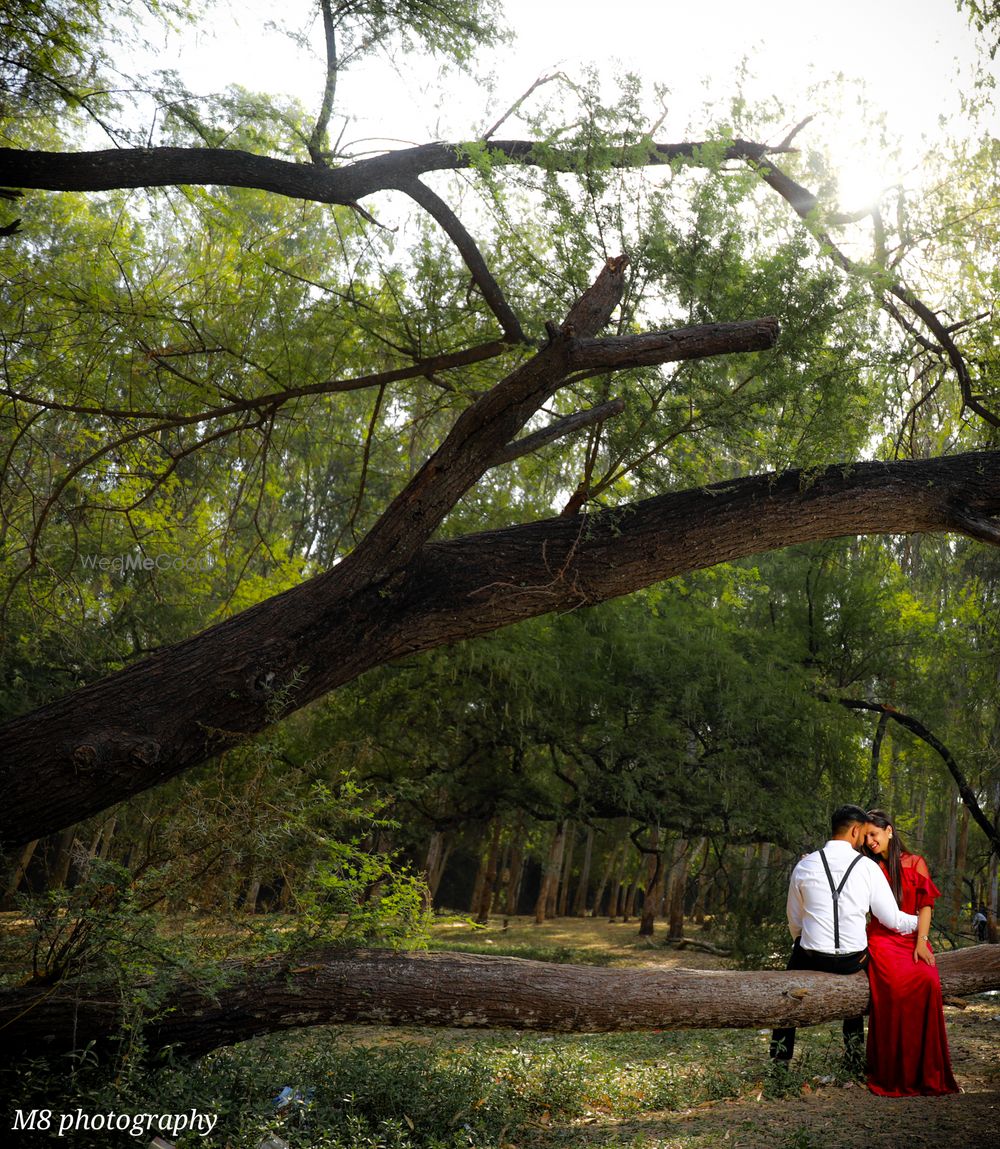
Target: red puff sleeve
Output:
[(916, 875)]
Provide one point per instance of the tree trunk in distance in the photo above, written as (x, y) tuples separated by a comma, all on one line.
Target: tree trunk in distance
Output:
[(108, 833), (251, 894), (633, 890), (513, 894), (951, 842), (991, 913), (961, 854), (550, 872), (559, 849), (59, 871), (698, 910), (334, 987), (17, 876), (677, 890), (567, 869), (653, 901), (434, 864), (876, 757), (490, 877), (477, 886), (617, 904), (602, 885), (580, 900)]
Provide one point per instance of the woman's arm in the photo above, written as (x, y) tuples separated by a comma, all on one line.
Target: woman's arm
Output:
[(922, 951), (926, 894)]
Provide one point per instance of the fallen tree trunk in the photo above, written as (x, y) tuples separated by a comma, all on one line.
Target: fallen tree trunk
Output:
[(464, 991)]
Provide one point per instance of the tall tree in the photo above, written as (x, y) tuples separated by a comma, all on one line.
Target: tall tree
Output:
[(150, 388)]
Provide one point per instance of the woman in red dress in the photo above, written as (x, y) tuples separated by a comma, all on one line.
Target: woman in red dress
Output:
[(907, 1042)]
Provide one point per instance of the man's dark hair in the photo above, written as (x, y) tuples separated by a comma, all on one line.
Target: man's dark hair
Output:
[(845, 816)]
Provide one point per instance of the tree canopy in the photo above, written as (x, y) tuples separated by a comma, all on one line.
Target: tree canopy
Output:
[(280, 412)]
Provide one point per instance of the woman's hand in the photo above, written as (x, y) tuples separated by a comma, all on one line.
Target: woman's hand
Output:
[(922, 952)]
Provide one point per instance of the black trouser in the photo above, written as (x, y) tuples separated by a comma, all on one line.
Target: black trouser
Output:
[(783, 1040)]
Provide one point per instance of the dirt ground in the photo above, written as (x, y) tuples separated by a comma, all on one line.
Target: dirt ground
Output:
[(838, 1117), (822, 1116)]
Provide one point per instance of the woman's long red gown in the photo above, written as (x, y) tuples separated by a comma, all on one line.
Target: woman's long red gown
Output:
[(907, 1042)]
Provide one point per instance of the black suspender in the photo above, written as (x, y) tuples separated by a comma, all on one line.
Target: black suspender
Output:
[(836, 891)]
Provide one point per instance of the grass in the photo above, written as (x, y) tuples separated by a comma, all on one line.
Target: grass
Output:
[(374, 1088), (582, 941)]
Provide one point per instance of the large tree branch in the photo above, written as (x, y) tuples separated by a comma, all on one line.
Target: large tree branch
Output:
[(158, 717), (169, 167), (161, 167), (334, 988)]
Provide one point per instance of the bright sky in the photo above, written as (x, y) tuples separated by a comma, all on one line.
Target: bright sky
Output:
[(909, 55)]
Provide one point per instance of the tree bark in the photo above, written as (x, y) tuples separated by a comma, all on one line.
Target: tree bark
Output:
[(168, 167), (442, 989), (154, 719)]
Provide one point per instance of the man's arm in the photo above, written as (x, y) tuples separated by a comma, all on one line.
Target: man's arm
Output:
[(793, 907), (883, 905)]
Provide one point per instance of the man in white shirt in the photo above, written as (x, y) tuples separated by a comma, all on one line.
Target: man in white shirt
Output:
[(830, 892)]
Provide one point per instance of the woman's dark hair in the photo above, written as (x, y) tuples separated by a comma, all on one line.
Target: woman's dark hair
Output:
[(893, 862)]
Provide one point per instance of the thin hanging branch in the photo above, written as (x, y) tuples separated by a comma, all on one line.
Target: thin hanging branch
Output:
[(517, 103), (422, 368), (915, 726), (456, 231)]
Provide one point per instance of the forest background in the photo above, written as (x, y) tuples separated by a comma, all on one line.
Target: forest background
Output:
[(216, 389)]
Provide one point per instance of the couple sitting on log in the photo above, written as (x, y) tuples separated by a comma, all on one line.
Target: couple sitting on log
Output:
[(863, 868)]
